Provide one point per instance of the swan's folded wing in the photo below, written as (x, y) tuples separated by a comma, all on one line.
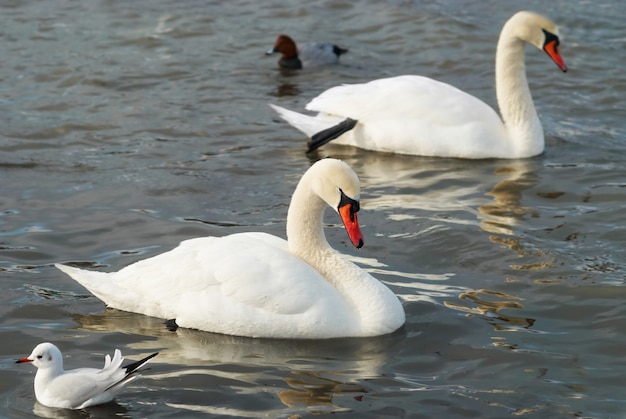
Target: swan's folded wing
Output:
[(413, 115), (264, 275), (412, 98)]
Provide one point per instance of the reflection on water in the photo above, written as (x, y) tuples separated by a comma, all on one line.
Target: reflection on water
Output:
[(429, 184), (314, 373), (316, 392), (194, 347), (491, 309), (507, 209), (104, 411), (286, 89), (482, 303)]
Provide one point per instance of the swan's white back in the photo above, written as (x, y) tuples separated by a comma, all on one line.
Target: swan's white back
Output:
[(427, 117)]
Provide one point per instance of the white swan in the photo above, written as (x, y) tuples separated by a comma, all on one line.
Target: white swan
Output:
[(312, 54), (259, 285), (420, 116)]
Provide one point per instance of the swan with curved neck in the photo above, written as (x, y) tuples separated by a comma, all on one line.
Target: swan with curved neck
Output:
[(420, 116), (259, 285)]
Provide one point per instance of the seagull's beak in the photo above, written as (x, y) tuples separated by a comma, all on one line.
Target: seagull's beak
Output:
[(19, 361)]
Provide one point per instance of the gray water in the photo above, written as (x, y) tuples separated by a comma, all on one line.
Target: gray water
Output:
[(128, 127)]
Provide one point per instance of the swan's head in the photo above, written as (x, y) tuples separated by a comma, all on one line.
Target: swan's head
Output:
[(45, 355), (337, 184), (538, 31)]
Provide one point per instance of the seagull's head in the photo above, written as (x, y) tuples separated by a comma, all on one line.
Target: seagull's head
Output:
[(45, 355)]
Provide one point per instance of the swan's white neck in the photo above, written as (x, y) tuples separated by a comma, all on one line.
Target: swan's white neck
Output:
[(376, 309), (514, 98), (305, 227)]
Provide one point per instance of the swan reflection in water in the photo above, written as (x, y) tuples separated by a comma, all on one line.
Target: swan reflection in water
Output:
[(490, 304), (447, 195), (491, 191), (103, 411), (316, 374)]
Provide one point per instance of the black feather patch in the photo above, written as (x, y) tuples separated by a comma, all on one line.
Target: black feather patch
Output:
[(329, 134), (130, 368), (171, 325), (346, 200), (549, 37), (338, 50)]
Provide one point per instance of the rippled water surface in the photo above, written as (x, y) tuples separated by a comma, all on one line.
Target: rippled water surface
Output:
[(130, 126)]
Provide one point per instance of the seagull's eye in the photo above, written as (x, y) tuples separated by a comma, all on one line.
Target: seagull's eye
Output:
[(39, 356)]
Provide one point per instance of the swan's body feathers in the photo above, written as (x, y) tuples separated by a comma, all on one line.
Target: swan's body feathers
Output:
[(427, 117), (258, 285), (216, 280)]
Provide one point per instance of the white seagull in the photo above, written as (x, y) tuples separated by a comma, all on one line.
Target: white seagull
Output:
[(81, 387)]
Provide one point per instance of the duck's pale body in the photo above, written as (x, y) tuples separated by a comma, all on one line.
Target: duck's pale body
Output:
[(259, 285), (306, 55), (420, 116)]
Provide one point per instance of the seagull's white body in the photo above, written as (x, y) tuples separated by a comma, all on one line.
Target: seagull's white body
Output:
[(81, 387), (420, 116), (258, 285)]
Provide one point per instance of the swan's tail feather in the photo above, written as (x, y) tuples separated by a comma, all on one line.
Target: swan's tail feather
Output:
[(307, 124), (96, 282), (329, 134)]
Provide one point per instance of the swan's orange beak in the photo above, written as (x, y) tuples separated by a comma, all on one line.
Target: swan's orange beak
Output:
[(552, 48), (351, 222)]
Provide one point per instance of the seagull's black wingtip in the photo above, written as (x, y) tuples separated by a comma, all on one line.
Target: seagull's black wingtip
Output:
[(130, 368)]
